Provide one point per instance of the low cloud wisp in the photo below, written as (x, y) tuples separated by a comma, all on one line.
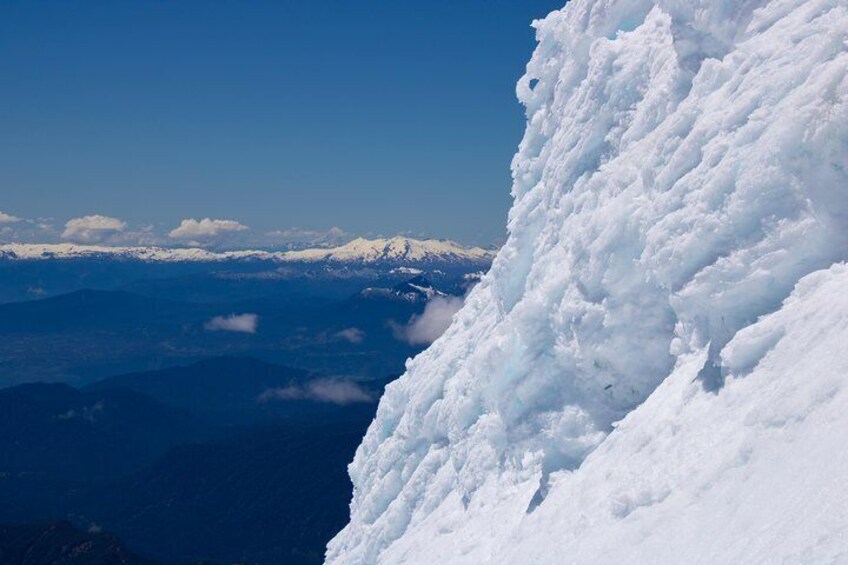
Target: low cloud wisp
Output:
[(332, 391), (334, 235), (351, 335), (425, 328), (244, 323)]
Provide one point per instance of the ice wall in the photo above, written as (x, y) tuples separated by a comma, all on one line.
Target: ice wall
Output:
[(685, 164)]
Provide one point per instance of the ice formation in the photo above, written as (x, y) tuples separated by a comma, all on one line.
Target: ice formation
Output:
[(655, 369)]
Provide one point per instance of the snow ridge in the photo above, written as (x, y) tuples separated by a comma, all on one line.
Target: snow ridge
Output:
[(399, 250), (683, 168)]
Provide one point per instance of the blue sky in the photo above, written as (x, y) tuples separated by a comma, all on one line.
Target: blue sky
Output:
[(377, 117)]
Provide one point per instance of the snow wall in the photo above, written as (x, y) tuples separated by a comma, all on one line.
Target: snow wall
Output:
[(655, 370)]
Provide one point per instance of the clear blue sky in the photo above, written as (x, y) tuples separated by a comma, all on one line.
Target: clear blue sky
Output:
[(378, 116)]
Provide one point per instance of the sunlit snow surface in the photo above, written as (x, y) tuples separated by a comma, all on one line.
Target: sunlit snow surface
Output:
[(685, 164)]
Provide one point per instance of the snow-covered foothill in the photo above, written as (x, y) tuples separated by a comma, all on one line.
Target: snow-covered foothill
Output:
[(635, 380), (68, 251)]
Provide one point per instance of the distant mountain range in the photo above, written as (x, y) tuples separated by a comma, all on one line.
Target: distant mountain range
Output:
[(195, 450), (236, 437), (49, 430), (265, 495), (395, 250), (238, 390), (85, 335)]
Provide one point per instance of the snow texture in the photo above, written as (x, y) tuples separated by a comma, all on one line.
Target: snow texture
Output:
[(635, 380)]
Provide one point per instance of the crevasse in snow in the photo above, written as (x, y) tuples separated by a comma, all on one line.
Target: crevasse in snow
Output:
[(685, 165)]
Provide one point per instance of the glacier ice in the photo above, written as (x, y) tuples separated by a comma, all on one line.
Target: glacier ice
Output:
[(654, 369)]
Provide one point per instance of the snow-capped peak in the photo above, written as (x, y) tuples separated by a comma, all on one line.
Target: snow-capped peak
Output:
[(395, 249)]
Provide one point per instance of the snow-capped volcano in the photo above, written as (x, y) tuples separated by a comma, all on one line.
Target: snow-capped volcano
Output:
[(397, 250), (654, 370)]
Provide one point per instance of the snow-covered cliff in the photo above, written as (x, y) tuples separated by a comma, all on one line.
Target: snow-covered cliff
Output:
[(636, 380)]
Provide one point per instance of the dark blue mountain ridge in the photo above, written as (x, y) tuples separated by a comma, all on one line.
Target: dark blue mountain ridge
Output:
[(264, 496), (56, 431), (100, 310), (32, 271), (264, 493), (89, 334), (235, 390)]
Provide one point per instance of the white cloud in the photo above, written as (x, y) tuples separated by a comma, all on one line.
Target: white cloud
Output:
[(8, 218), (205, 229), (322, 390), (425, 328), (353, 335), (297, 238), (145, 236), (335, 233), (22, 230), (210, 233), (92, 229), (245, 323)]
